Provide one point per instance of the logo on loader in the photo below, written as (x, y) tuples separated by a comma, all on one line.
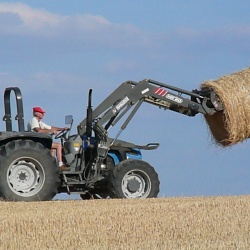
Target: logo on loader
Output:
[(174, 98), (163, 92), (121, 104), (160, 91)]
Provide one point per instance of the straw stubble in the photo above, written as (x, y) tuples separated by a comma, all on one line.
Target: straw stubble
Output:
[(163, 223)]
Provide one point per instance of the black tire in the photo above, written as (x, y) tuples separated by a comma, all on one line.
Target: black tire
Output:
[(28, 172), (134, 179)]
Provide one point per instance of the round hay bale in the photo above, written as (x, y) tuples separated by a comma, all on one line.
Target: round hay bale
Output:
[(232, 125)]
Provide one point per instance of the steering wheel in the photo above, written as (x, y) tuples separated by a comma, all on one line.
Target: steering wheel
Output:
[(62, 134)]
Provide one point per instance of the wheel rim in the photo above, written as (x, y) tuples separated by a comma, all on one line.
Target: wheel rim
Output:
[(136, 184), (25, 176)]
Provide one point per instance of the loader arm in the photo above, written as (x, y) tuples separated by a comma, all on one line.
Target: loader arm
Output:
[(131, 93)]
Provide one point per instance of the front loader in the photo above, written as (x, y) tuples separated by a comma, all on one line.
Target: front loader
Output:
[(100, 166)]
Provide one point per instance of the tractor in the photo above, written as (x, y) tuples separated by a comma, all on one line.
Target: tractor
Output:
[(100, 166)]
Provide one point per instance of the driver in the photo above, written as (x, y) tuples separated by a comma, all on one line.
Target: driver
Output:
[(38, 126)]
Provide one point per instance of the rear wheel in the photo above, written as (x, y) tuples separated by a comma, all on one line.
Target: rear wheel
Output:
[(28, 172), (134, 179)]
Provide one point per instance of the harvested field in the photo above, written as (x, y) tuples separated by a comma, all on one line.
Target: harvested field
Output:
[(163, 223), (231, 125)]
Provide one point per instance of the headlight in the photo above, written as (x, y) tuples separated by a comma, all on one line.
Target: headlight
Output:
[(76, 146)]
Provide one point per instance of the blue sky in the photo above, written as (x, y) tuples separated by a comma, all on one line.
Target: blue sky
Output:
[(54, 51)]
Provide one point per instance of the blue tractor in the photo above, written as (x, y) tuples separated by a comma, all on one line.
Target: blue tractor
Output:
[(99, 166)]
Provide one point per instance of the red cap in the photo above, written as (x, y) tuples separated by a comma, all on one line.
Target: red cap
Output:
[(38, 109)]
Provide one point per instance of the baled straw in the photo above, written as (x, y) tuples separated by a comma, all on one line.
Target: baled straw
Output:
[(232, 125)]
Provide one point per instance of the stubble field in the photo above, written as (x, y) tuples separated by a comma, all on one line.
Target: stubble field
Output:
[(163, 223)]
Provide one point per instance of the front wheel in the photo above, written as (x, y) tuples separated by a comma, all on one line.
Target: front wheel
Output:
[(134, 179), (28, 172)]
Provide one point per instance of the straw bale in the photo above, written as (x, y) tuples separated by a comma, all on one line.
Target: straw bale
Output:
[(232, 125)]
